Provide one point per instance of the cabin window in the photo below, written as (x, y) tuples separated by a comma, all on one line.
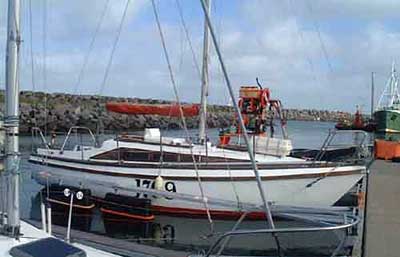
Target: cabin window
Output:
[(169, 157), (144, 156), (110, 155), (154, 157), (135, 155)]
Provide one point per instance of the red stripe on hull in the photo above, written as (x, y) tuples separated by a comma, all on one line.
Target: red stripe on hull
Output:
[(127, 215), (200, 213)]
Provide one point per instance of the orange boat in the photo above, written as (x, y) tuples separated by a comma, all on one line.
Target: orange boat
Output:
[(172, 110)]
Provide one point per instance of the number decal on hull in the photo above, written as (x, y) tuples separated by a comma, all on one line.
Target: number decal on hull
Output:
[(149, 183)]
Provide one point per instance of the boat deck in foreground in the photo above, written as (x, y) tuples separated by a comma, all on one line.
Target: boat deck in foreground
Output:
[(382, 234)]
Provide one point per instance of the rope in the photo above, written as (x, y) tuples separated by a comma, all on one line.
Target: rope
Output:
[(316, 26), (301, 36), (86, 59), (181, 111), (31, 47), (231, 179), (187, 34), (114, 47)]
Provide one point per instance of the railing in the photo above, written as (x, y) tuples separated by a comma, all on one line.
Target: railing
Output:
[(52, 141), (76, 129), (226, 236), (37, 133), (359, 148)]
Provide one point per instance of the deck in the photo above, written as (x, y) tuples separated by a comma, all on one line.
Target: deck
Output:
[(382, 231), (119, 247)]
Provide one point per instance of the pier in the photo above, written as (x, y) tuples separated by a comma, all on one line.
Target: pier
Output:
[(382, 227)]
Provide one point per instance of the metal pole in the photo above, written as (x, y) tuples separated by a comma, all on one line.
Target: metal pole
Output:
[(49, 219), (204, 79), (43, 214), (11, 119), (70, 218), (242, 126), (372, 94)]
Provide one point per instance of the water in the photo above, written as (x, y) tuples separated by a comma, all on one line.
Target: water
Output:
[(304, 134), (186, 234)]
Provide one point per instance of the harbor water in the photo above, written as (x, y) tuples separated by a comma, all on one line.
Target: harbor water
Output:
[(186, 234)]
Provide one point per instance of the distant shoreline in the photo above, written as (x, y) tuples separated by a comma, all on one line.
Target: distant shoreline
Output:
[(66, 110)]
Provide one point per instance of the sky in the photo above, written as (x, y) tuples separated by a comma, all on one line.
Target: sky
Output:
[(315, 54)]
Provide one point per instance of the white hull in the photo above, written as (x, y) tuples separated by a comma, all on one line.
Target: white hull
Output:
[(298, 186)]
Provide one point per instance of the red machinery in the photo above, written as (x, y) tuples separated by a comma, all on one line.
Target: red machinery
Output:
[(258, 111)]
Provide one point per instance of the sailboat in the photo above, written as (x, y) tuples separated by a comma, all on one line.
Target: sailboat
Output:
[(387, 113), (17, 237), (186, 167)]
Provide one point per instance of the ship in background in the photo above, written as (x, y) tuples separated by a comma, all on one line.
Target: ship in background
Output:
[(387, 113), (358, 123)]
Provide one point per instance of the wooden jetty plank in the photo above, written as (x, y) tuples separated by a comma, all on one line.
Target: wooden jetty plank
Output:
[(382, 229)]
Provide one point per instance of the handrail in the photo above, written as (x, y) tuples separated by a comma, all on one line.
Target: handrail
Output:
[(240, 232), (35, 130), (331, 136), (77, 128)]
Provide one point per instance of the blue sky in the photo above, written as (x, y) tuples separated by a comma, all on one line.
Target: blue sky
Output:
[(311, 53)]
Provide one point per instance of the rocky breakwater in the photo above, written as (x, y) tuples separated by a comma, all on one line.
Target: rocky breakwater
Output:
[(59, 112), (316, 115)]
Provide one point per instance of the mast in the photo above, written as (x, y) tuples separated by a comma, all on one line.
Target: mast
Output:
[(392, 84), (266, 207), (390, 93), (11, 119), (204, 78), (372, 94)]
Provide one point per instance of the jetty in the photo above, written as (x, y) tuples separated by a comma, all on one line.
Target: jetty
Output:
[(382, 224), (66, 110)]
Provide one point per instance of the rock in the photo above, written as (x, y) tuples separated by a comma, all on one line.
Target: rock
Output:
[(66, 110)]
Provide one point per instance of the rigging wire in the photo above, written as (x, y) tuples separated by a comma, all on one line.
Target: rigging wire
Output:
[(321, 41), (174, 86), (99, 124), (187, 34), (31, 47), (266, 207), (232, 180), (86, 59), (182, 51), (219, 40), (218, 28), (292, 10), (44, 46), (110, 60)]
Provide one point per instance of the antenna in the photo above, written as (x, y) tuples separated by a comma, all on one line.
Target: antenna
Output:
[(372, 94), (258, 83)]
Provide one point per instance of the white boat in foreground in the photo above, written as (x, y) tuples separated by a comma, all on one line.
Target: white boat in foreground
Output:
[(132, 161)]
